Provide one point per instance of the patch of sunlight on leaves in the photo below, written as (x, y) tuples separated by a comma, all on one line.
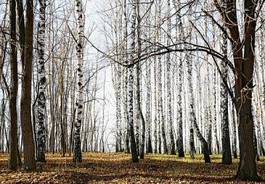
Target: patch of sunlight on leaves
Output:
[(118, 168)]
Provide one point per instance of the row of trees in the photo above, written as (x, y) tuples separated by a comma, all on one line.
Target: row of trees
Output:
[(48, 95), (180, 69), (204, 72)]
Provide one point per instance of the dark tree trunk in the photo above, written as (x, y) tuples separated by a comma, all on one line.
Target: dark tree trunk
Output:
[(26, 122), (243, 55), (13, 143), (142, 148), (192, 145), (247, 169)]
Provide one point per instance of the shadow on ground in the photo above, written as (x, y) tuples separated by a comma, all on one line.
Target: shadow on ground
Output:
[(117, 168)]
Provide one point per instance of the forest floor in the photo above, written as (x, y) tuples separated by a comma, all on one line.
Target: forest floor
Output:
[(118, 168)]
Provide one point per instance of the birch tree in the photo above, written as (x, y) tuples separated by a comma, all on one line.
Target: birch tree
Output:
[(132, 56), (226, 158), (79, 100), (41, 98), (169, 96), (193, 119), (161, 120), (179, 31)]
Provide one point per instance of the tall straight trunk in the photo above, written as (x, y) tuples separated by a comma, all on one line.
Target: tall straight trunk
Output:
[(3, 126), (161, 118), (13, 143), (244, 59), (102, 148), (26, 123), (41, 98), (168, 80), (52, 102), (73, 112), (118, 109), (137, 104), (156, 117), (149, 148), (125, 47), (131, 81), (155, 110), (62, 104), (148, 114), (138, 82), (243, 54), (180, 113), (226, 152), (178, 32), (209, 112), (117, 82), (215, 114), (215, 97), (208, 102), (80, 88)]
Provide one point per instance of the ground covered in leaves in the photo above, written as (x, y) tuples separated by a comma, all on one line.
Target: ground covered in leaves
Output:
[(117, 168)]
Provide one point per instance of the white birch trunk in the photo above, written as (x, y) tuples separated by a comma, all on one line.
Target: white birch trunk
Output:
[(80, 93), (41, 99)]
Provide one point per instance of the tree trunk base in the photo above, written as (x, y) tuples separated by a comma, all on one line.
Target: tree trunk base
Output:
[(181, 154), (247, 177), (247, 174), (207, 158), (135, 159), (41, 160)]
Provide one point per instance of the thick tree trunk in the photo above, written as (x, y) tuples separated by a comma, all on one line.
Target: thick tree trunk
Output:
[(247, 165), (13, 143), (243, 55), (26, 123), (247, 169)]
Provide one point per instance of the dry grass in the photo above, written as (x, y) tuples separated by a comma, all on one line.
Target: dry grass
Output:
[(117, 168)]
